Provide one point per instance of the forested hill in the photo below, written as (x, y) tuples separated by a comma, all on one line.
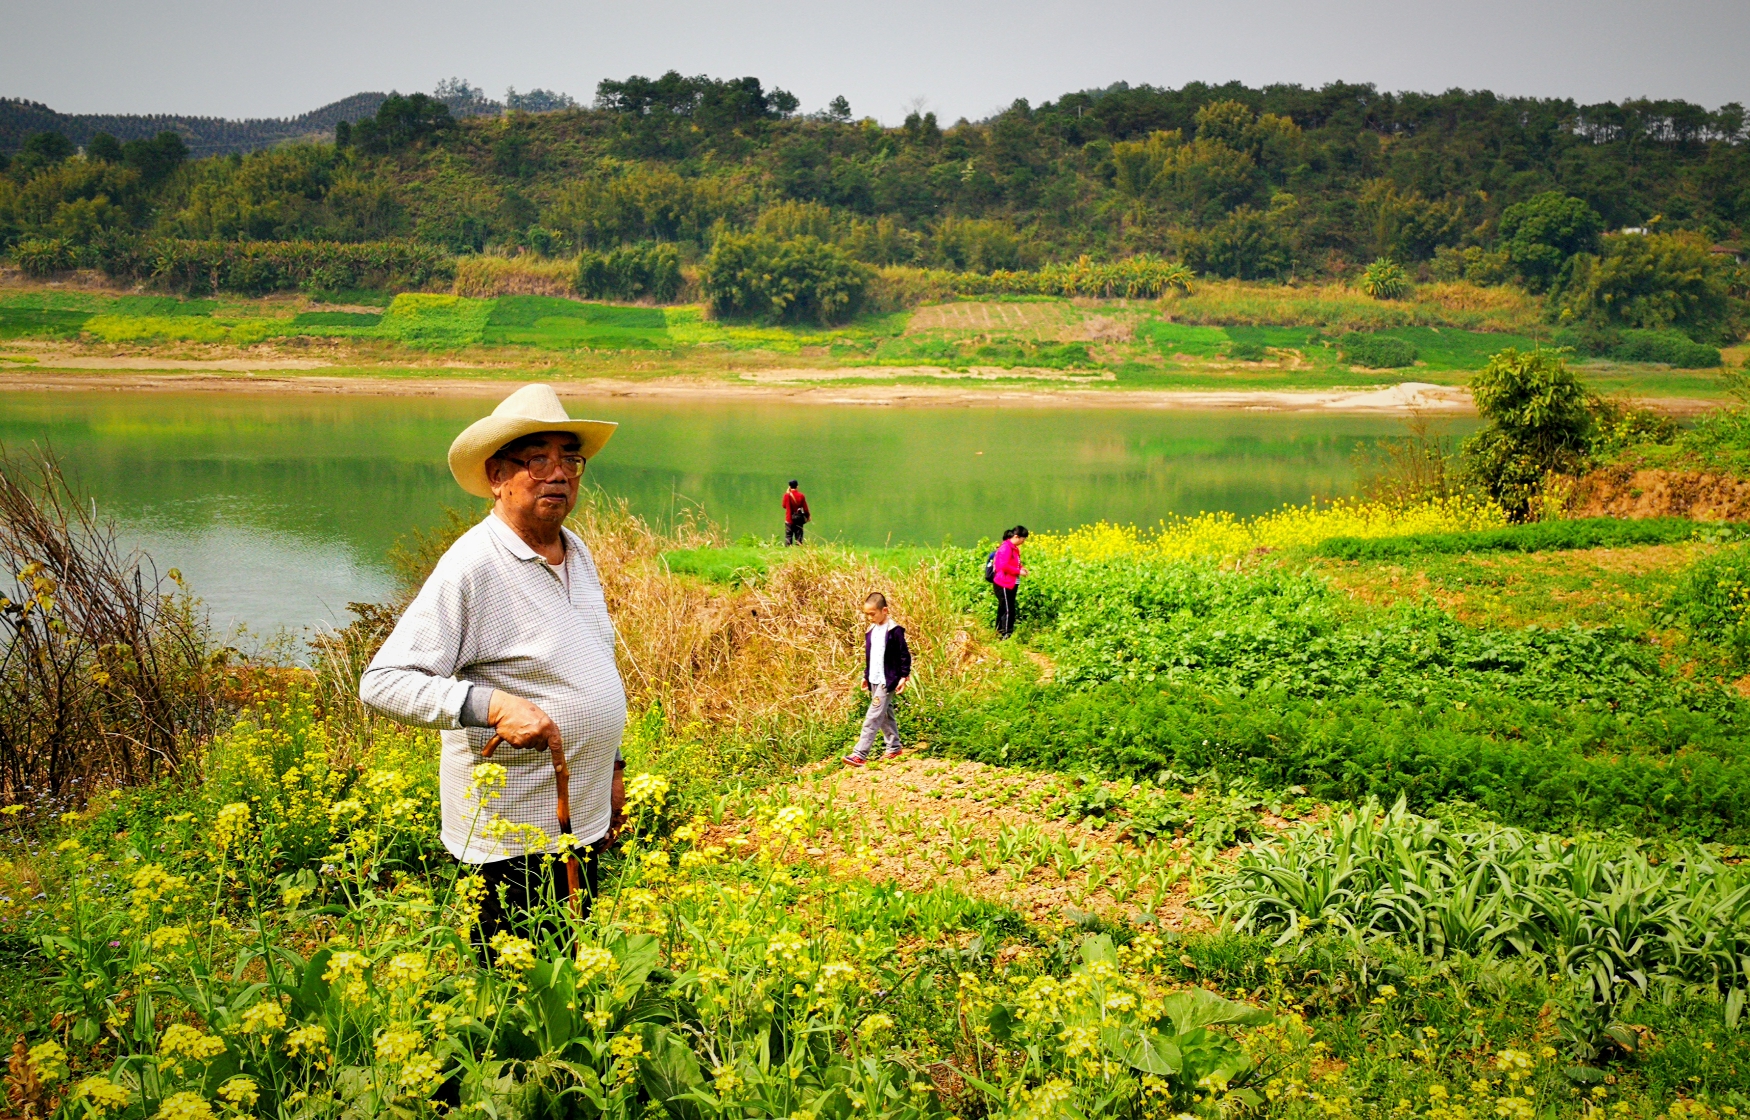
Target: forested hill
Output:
[(1277, 183), (204, 136)]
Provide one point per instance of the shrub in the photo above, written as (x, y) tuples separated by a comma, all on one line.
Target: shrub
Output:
[(1249, 352), (1537, 420), (1541, 536), (263, 266), (1713, 600), (799, 280), (43, 256), (630, 272), (106, 668), (1385, 279), (1376, 351), (1672, 348), (1473, 264)]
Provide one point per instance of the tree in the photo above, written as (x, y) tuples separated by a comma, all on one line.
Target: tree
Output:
[(840, 110), (538, 100), (104, 148), (41, 149), (1650, 282), (1537, 419), (1542, 233), (402, 121), (156, 158)]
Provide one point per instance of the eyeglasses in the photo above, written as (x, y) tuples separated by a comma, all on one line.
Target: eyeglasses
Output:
[(541, 467)]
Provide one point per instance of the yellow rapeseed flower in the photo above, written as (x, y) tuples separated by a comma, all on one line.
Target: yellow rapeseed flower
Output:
[(420, 1073), (103, 1095), (231, 826), (263, 1019), (180, 1040), (48, 1061), (396, 1044), (593, 962), (488, 778), (308, 1040), (1220, 535), (515, 954), (406, 968), (240, 1092), (185, 1106)]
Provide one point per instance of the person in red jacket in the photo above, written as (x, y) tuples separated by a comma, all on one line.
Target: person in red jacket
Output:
[(1006, 571), (796, 514)]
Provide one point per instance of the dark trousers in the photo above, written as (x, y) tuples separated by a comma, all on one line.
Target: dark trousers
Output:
[(793, 532), (1005, 610), (518, 885)]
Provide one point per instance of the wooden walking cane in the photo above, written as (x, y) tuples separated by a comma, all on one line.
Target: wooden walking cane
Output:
[(562, 776)]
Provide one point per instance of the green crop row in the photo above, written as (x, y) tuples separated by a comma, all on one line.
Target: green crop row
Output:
[(1275, 631), (1619, 923), (1538, 536), (1274, 676), (1666, 772)]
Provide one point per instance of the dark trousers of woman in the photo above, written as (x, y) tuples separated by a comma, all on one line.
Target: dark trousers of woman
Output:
[(517, 886), (1005, 610), (793, 532)]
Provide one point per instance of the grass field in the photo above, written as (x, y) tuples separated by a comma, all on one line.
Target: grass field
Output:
[(1221, 338)]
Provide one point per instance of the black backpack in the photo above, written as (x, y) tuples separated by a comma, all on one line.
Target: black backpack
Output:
[(990, 568)]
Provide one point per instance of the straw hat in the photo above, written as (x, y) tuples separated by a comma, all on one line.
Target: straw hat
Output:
[(531, 409)]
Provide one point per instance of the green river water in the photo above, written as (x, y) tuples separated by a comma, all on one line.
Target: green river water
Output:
[(279, 508)]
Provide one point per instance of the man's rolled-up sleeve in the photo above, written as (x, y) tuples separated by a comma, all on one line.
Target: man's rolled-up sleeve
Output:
[(412, 678)]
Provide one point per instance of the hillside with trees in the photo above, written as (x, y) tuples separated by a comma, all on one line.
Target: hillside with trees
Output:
[(1280, 184)]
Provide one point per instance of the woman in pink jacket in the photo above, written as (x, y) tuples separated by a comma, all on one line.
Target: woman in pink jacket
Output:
[(1006, 572)]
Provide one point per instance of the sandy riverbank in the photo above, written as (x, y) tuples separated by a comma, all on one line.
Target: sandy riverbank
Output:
[(799, 386)]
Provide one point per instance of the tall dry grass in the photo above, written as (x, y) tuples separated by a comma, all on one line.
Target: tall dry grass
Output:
[(776, 663), (489, 277), (775, 655)]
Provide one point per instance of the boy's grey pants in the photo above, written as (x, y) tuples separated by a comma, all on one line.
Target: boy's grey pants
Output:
[(878, 721)]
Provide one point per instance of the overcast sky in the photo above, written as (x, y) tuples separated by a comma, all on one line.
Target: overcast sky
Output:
[(246, 58)]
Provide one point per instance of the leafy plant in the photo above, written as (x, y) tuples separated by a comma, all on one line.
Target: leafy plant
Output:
[(1610, 919), (1385, 279), (1536, 421)]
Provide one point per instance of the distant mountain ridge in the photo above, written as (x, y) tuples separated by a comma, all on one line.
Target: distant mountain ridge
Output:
[(205, 136)]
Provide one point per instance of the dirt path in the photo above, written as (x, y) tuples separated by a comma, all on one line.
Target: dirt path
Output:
[(922, 823)]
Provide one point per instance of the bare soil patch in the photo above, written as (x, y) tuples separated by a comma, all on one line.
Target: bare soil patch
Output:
[(1039, 322), (1623, 492)]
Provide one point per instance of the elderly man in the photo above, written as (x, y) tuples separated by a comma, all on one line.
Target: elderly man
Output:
[(511, 636)]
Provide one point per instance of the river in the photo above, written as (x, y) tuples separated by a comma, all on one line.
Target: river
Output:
[(279, 508)]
